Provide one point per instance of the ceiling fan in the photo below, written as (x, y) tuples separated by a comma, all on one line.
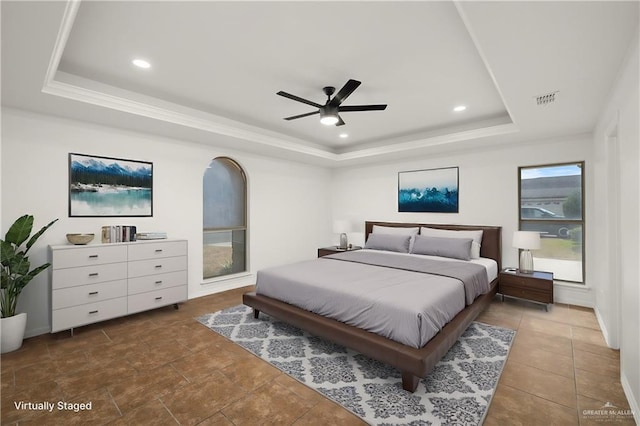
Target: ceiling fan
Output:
[(329, 111)]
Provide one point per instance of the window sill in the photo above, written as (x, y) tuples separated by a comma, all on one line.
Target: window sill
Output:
[(226, 278)]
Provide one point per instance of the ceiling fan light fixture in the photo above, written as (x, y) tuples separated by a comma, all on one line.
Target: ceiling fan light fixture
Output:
[(328, 119)]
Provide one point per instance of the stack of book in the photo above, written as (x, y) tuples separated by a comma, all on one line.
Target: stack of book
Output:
[(118, 233), (151, 235)]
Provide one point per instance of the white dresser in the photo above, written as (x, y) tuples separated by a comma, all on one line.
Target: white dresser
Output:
[(97, 282)]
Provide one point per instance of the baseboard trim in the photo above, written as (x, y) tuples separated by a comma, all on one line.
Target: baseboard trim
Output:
[(37, 331), (633, 403), (603, 328), (207, 289), (573, 295)]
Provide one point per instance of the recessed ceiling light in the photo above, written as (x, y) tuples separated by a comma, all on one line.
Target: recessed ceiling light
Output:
[(344, 135), (460, 108), (141, 63)]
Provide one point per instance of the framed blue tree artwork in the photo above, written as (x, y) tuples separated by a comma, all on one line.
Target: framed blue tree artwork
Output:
[(109, 187), (428, 191)]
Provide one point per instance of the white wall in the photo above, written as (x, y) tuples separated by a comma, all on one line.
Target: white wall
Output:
[(288, 202), (488, 188), (618, 292)]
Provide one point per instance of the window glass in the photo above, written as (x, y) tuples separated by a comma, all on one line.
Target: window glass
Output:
[(224, 218), (551, 203)]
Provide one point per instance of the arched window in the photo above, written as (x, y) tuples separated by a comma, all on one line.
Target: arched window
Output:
[(224, 228)]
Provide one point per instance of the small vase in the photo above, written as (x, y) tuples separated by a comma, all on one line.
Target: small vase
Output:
[(12, 332)]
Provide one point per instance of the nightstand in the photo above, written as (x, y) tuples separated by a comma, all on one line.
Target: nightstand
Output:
[(536, 286), (325, 251)]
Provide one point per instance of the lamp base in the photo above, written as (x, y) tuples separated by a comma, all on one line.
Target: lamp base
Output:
[(344, 243), (526, 262)]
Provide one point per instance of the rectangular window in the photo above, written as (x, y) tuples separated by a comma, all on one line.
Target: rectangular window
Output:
[(551, 202)]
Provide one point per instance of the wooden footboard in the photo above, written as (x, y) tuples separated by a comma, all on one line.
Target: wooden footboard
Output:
[(413, 363)]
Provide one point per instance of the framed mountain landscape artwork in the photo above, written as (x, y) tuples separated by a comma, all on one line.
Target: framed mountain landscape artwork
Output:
[(109, 187), (428, 191)]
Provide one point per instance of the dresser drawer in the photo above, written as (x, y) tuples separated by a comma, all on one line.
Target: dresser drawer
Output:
[(72, 296), (157, 282), (157, 266), (88, 255), (71, 277), (64, 319), (526, 293), (142, 251), (156, 299)]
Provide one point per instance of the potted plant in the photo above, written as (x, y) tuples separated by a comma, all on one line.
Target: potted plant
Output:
[(16, 273)]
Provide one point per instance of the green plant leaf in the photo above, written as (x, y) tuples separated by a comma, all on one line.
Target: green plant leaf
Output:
[(35, 236), (7, 252), (20, 230), (15, 273)]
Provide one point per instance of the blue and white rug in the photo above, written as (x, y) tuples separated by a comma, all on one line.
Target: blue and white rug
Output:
[(457, 391)]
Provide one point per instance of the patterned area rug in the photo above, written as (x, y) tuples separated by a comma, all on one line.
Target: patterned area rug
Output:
[(457, 391)]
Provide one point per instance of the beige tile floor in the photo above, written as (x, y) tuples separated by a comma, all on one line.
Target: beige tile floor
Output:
[(162, 367)]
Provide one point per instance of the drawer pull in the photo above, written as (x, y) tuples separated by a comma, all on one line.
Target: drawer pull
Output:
[(158, 266), (158, 282), (93, 274), (159, 298), (93, 293), (93, 312), (93, 256), (158, 250)]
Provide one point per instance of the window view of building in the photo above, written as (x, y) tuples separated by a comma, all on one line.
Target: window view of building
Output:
[(551, 202), (224, 219)]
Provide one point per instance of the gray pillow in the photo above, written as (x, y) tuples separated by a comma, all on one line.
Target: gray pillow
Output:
[(456, 248), (390, 242)]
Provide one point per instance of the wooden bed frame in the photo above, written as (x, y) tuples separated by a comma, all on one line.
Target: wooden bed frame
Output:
[(413, 363)]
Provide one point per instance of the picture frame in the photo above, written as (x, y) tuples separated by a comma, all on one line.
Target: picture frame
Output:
[(429, 191), (109, 187)]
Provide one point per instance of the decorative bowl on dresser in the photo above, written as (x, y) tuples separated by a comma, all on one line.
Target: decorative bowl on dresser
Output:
[(97, 282), (536, 286), (80, 239)]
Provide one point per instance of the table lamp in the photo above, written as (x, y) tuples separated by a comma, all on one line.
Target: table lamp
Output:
[(342, 227), (526, 241)]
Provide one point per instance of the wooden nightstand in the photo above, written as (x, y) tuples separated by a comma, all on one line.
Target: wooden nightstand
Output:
[(325, 251), (536, 286)]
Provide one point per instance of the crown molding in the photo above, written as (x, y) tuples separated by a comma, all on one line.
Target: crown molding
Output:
[(73, 87)]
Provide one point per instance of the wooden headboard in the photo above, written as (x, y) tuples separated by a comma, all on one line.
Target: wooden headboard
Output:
[(491, 246)]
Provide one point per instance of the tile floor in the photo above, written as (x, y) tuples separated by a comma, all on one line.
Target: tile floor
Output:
[(162, 367)]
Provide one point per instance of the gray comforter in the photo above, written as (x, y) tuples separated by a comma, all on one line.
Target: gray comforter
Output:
[(404, 298)]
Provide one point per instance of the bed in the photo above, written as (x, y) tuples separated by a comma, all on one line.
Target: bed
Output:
[(414, 359)]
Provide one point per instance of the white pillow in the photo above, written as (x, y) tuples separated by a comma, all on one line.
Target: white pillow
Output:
[(476, 236), (377, 229)]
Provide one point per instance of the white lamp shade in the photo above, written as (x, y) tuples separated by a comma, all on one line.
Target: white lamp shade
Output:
[(526, 240), (341, 226)]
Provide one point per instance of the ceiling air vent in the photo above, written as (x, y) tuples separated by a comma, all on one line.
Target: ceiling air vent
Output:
[(547, 98)]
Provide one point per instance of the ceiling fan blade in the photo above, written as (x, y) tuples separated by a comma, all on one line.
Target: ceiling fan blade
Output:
[(293, 117), (340, 122), (346, 90), (298, 98), (361, 108)]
